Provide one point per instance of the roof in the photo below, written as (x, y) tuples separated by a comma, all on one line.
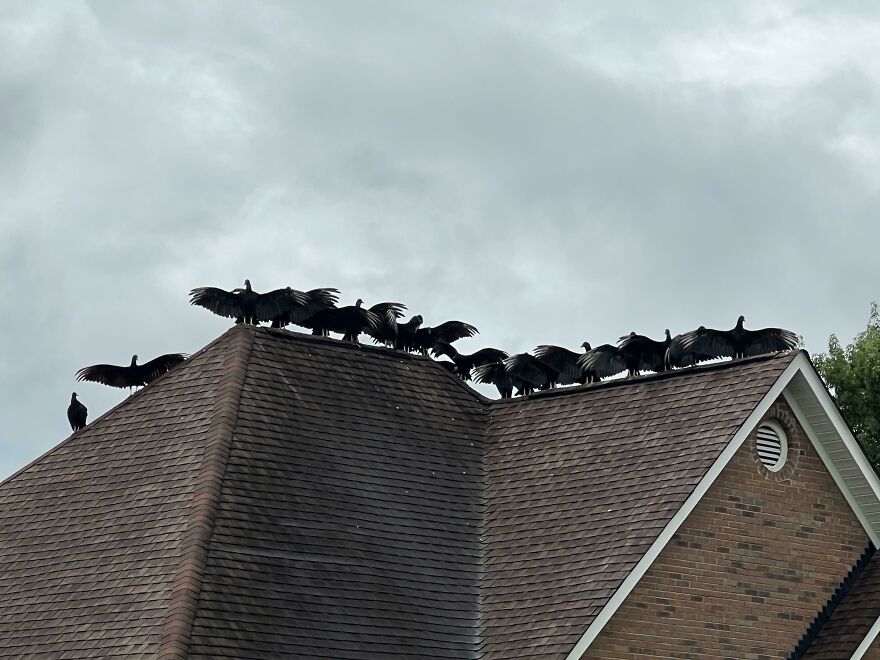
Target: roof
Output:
[(582, 482), (851, 620), (279, 491)]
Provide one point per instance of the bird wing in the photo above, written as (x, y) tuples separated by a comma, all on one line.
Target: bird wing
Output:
[(530, 369), (151, 370), (603, 361), (447, 350), (107, 374), (451, 331), (486, 356), (222, 303), (707, 341), (273, 304), (389, 310), (562, 360), (678, 356), (493, 373), (769, 340), (325, 297)]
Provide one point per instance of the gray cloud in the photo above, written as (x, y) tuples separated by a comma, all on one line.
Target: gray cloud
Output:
[(548, 172)]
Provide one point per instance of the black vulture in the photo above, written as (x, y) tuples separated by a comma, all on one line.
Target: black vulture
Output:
[(739, 342), (567, 363), (605, 361), (248, 306), (528, 373), (134, 375), (312, 302), (349, 321), (406, 334), (388, 313), (465, 362), (495, 373), (76, 413), (643, 353), (427, 338), (677, 356)]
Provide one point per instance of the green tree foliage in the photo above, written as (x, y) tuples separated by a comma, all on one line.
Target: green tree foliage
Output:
[(852, 374)]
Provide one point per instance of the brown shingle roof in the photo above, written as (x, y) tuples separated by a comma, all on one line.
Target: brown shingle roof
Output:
[(851, 619), (581, 482), (282, 494)]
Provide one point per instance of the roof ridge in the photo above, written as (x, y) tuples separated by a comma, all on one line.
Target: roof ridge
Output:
[(187, 583), (131, 397), (652, 377), (391, 352)]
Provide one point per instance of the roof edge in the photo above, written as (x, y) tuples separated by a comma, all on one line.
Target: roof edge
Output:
[(866, 643), (187, 584), (634, 577), (76, 434)]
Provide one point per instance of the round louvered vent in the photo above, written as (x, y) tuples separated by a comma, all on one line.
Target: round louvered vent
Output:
[(772, 446)]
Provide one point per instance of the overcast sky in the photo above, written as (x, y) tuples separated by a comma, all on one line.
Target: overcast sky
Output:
[(550, 172)]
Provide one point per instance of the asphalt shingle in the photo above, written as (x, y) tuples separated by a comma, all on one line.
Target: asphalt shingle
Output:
[(280, 494)]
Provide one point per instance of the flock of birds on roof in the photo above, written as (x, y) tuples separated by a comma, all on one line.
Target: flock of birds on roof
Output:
[(519, 374)]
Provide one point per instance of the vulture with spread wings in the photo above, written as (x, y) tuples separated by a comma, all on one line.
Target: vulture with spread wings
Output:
[(739, 342), (134, 375), (310, 303), (528, 373), (566, 363), (248, 306), (678, 357), (425, 339), (388, 313), (495, 373), (349, 321), (465, 362)]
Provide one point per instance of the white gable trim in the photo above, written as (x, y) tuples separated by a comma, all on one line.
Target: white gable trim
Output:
[(839, 451), (689, 505), (866, 643)]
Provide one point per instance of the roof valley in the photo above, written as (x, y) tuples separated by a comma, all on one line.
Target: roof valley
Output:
[(187, 583)]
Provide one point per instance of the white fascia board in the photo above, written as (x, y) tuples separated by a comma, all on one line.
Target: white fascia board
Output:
[(866, 643), (831, 466), (689, 505), (839, 424)]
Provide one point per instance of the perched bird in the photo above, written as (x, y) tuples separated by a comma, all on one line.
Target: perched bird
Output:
[(388, 313), (495, 373), (463, 362), (312, 302), (349, 321), (76, 413), (248, 306), (565, 362), (406, 334), (605, 361), (134, 375), (677, 356), (425, 339), (643, 353), (739, 342), (528, 373)]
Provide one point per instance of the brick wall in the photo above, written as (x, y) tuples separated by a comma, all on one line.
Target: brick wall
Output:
[(749, 569)]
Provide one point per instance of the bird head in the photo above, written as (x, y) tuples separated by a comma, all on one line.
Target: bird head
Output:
[(418, 319), (740, 321), (73, 397), (134, 359), (359, 303), (668, 335), (247, 285), (586, 346)]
